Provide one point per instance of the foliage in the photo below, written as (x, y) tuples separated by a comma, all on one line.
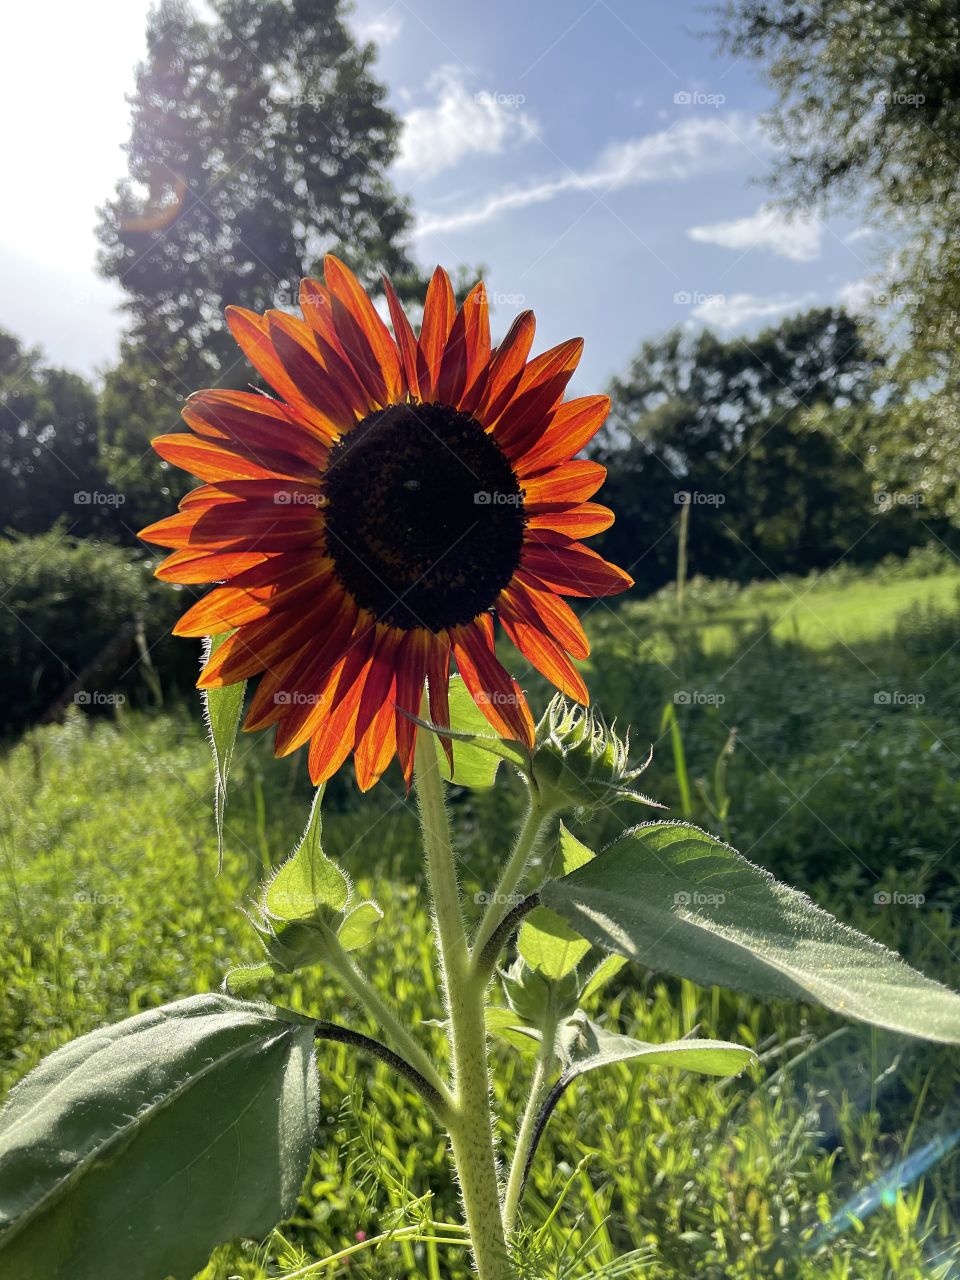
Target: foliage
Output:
[(728, 427)]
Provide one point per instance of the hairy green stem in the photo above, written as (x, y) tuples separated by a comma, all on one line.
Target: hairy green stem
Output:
[(470, 1121), (353, 978), (504, 898), (528, 1123)]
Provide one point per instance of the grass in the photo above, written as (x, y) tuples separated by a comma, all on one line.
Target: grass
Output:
[(109, 904)]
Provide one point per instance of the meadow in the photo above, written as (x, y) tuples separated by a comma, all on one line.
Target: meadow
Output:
[(813, 723)]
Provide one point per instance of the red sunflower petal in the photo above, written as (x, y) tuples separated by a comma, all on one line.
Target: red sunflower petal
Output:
[(412, 661), (506, 368), (572, 426), (573, 569), (296, 576), (300, 356), (565, 485), (194, 565), (537, 602), (543, 652), (405, 339), (439, 312), (316, 303), (335, 735), (467, 350), (251, 333), (540, 390), (438, 687), (377, 745), (210, 461), (576, 522), (255, 425), (492, 688), (362, 332)]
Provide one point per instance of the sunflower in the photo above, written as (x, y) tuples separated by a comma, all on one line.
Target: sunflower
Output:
[(364, 527)]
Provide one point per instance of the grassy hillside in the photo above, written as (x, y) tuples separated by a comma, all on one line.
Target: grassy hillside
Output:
[(110, 903)]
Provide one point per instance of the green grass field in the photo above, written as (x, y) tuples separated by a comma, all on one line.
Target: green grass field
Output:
[(110, 904)]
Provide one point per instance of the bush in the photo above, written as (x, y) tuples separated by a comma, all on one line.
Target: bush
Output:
[(64, 601)]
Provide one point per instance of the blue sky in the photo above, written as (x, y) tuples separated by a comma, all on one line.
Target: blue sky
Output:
[(598, 157)]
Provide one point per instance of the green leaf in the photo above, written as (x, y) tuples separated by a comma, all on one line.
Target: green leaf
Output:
[(359, 925), (549, 945), (673, 897), (572, 853), (477, 751), (590, 1047), (606, 971), (138, 1148), (308, 881), (505, 1025), (221, 710)]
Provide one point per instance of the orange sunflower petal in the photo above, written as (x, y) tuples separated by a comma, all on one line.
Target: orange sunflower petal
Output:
[(405, 339), (506, 368), (467, 350), (537, 603), (492, 688), (566, 484), (438, 687), (543, 652), (575, 522), (195, 565), (255, 426), (439, 312), (362, 332), (573, 569), (412, 662), (253, 596), (572, 426), (540, 390)]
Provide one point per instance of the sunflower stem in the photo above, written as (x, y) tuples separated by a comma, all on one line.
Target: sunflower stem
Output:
[(356, 981), (528, 1123), (470, 1120), (503, 900)]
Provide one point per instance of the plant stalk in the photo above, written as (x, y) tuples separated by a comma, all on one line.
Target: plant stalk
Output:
[(470, 1120), (527, 1129), (505, 897)]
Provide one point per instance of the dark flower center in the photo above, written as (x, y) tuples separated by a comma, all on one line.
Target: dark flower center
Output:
[(425, 518)]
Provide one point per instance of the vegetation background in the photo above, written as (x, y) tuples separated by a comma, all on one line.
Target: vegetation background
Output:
[(789, 508)]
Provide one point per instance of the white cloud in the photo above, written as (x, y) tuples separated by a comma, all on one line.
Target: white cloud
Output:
[(735, 310), (856, 295), (861, 233), (458, 124), (795, 236), (382, 30), (690, 147)]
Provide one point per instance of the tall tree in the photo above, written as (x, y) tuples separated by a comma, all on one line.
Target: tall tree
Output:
[(730, 424), (259, 141), (869, 105), (49, 454)]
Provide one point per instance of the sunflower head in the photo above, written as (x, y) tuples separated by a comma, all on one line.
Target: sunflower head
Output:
[(367, 523)]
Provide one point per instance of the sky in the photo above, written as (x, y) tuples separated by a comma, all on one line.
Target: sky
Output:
[(599, 158)]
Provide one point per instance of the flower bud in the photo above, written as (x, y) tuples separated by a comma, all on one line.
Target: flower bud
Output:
[(580, 762)]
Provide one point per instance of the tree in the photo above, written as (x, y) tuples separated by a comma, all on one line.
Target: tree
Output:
[(49, 451), (729, 427), (263, 140), (869, 104)]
